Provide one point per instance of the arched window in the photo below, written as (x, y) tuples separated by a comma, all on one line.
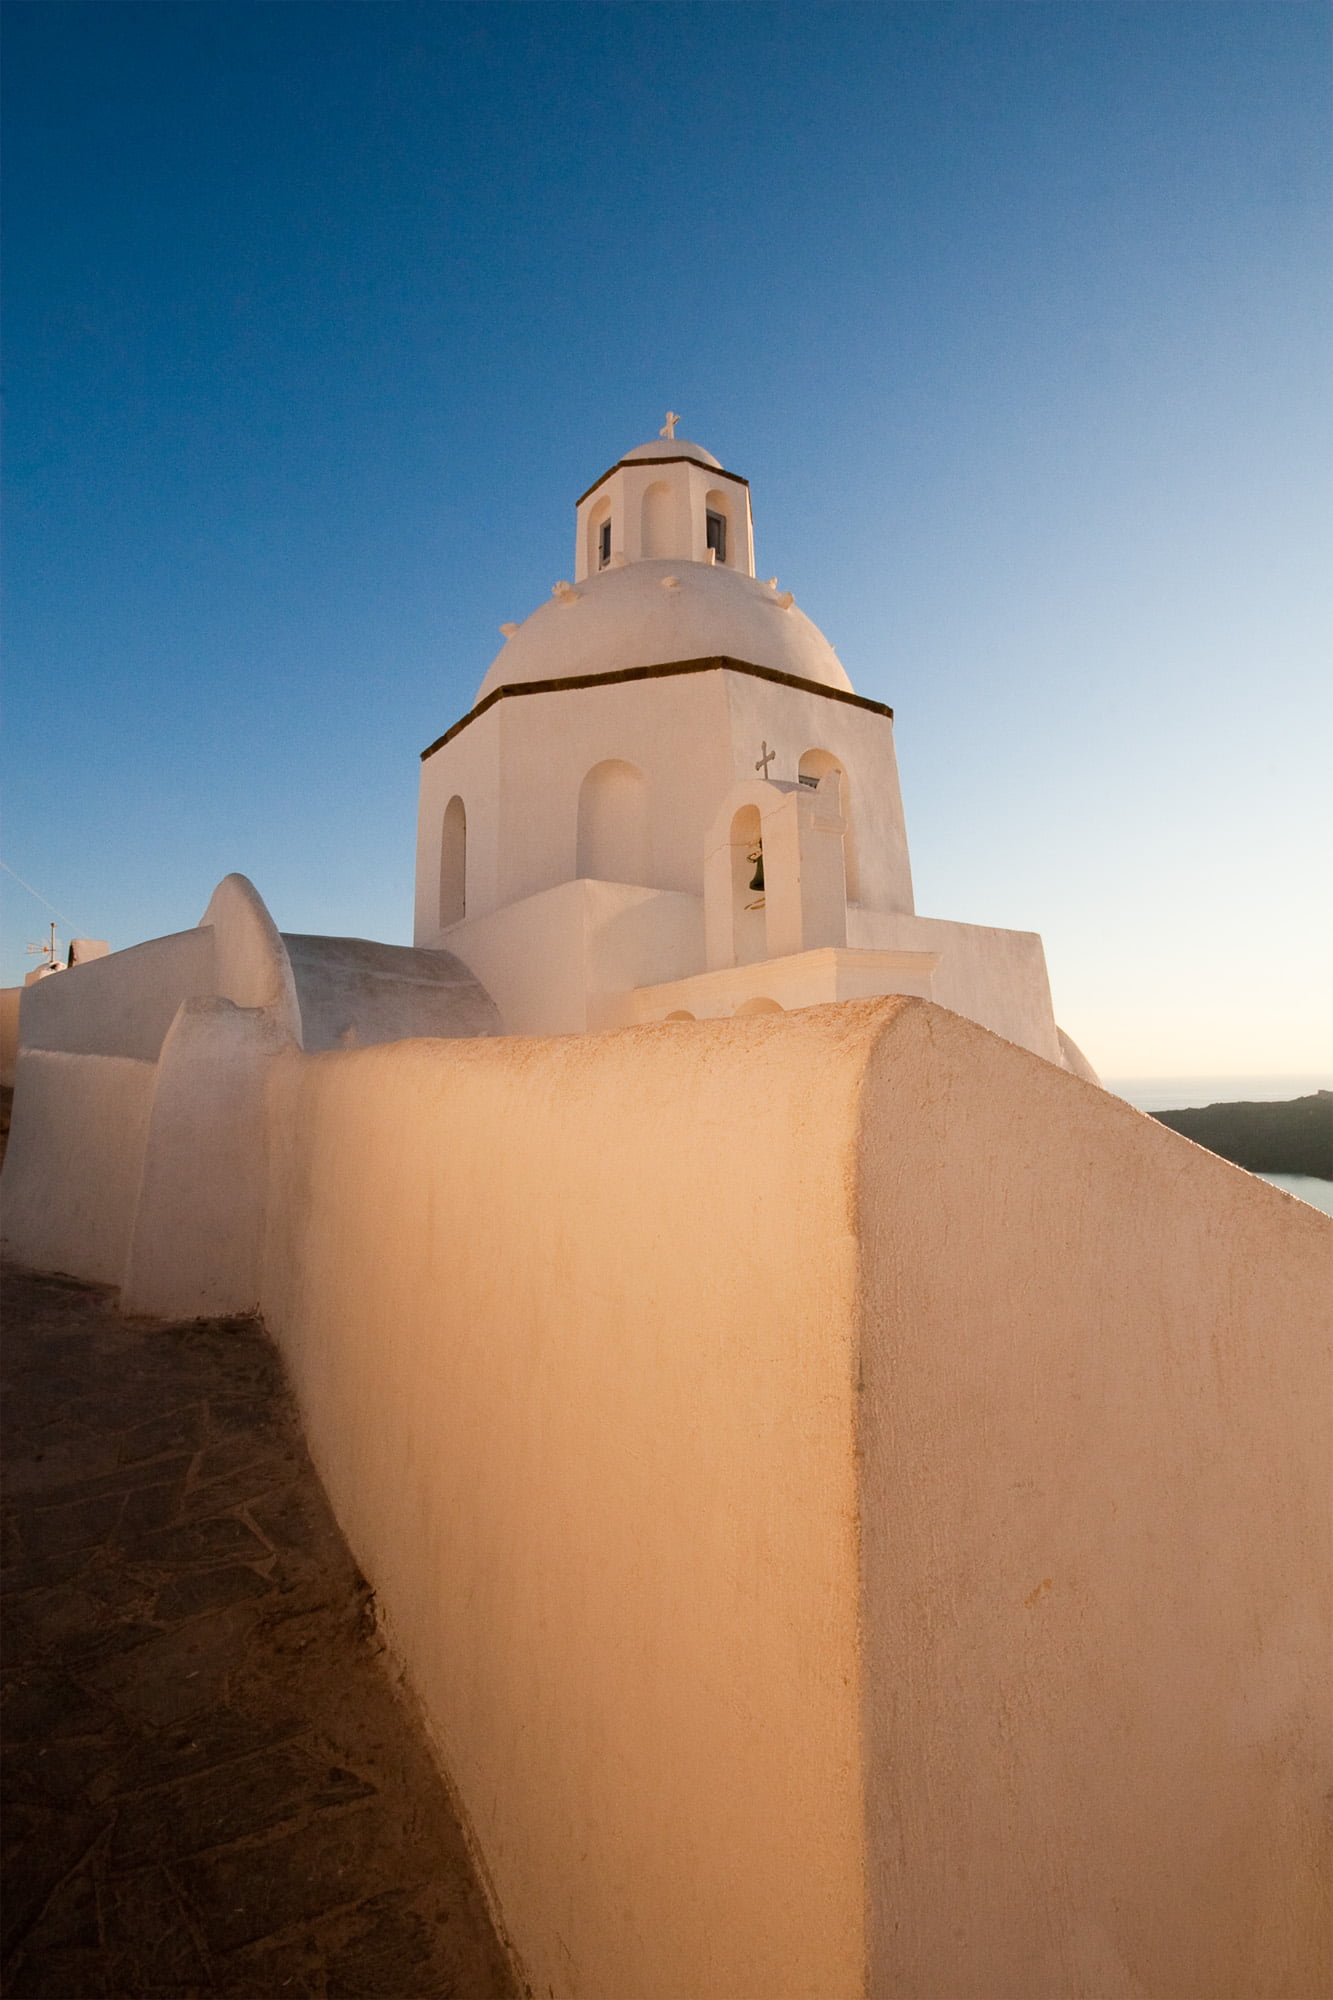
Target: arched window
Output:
[(817, 764), (749, 925), (717, 526), (613, 824), (599, 537), (453, 864), (657, 520)]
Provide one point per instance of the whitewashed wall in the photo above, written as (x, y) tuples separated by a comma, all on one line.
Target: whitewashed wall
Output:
[(1096, 1435), (848, 1495), (571, 1323), (850, 1498), (75, 1160)]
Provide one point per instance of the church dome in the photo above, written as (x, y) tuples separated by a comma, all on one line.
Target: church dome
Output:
[(660, 447), (653, 612)]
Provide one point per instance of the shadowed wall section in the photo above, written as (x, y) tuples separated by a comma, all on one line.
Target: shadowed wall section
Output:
[(353, 992), (1096, 1436)]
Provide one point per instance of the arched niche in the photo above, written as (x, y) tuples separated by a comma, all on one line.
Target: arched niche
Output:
[(597, 554), (658, 523), (613, 824), (761, 1004), (720, 526), (453, 863), (749, 924), (814, 766), (680, 1014)]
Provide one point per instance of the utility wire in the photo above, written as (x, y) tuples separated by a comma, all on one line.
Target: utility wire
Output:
[(41, 899)]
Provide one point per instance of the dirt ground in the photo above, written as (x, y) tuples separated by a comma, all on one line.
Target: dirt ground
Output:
[(211, 1784)]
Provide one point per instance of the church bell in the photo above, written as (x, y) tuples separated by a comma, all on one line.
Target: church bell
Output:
[(757, 880)]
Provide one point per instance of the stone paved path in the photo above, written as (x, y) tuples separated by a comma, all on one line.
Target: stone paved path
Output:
[(211, 1786)]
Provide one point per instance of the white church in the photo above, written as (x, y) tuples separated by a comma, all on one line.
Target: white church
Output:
[(847, 1493), (669, 803)]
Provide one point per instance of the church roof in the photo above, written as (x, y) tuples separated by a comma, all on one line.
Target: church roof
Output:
[(660, 447), (657, 611)]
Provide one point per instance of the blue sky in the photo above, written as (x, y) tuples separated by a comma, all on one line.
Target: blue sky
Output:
[(1017, 317)]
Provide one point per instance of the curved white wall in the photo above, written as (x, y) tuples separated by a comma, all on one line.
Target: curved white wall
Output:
[(251, 966), (734, 1415), (654, 613), (353, 992)]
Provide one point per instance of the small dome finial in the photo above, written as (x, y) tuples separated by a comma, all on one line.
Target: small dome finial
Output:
[(668, 429)]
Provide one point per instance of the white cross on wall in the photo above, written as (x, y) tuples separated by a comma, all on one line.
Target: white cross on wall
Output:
[(766, 759)]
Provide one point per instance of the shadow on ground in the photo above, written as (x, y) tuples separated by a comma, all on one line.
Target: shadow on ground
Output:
[(211, 1785)]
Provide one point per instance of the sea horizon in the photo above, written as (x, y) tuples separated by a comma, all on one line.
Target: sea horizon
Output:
[(1186, 1093)]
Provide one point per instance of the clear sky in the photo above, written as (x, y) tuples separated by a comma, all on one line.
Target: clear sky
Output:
[(1017, 317)]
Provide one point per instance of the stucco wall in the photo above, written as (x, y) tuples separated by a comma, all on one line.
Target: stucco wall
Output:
[(562, 962), (519, 768), (994, 977), (793, 723), (571, 1323), (72, 1170), (353, 992), (121, 1005), (850, 1497), (577, 1327), (194, 1246), (1097, 1437), (251, 967)]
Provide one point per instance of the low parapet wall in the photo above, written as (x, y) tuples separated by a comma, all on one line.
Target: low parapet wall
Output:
[(848, 1496)]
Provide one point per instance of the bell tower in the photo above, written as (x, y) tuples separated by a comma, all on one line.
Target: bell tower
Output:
[(670, 500)]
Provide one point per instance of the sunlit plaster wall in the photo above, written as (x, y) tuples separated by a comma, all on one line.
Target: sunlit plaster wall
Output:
[(824, 1454), (572, 1327)]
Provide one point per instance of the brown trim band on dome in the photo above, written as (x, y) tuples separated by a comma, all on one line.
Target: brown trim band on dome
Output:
[(677, 458), (720, 663)]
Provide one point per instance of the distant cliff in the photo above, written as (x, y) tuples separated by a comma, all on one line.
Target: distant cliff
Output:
[(1293, 1137)]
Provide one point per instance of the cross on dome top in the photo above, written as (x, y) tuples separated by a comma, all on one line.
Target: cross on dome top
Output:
[(668, 429)]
